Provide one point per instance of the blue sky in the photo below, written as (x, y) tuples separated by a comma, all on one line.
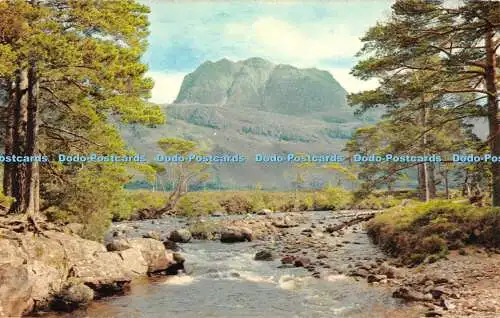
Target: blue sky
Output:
[(321, 34)]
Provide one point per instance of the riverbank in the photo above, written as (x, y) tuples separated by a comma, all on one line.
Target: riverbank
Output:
[(58, 271)]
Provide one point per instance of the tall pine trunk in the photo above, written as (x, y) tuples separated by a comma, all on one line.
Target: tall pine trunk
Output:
[(423, 171), (8, 135), (25, 176), (490, 83), (446, 185), (19, 170), (33, 181), (431, 170)]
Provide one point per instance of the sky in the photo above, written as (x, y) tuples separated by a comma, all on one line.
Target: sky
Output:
[(321, 34)]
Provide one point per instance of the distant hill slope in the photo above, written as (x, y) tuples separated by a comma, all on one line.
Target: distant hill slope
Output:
[(255, 106)]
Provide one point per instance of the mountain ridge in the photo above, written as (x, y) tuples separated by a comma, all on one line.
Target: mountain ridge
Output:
[(261, 84)]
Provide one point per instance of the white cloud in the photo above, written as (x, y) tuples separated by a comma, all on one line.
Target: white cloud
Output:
[(166, 87), (351, 83), (302, 45)]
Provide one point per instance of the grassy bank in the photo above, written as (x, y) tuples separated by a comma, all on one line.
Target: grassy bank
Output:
[(424, 232), (240, 202)]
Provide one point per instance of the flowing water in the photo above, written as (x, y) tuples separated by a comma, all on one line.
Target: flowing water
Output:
[(223, 280)]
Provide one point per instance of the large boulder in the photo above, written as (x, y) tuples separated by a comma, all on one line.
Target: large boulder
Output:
[(180, 236), (153, 252), (106, 273), (15, 291), (34, 269), (234, 235), (71, 297), (134, 261)]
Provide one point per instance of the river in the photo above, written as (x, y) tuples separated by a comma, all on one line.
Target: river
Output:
[(224, 280)]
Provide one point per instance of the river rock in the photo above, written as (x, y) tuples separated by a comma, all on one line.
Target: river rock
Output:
[(73, 296), (153, 235), (410, 294), (302, 262), (288, 259), (264, 212), (117, 245), (375, 278), (359, 272), (172, 246), (390, 271), (264, 255), (217, 214), (180, 236), (153, 252), (234, 235), (285, 222)]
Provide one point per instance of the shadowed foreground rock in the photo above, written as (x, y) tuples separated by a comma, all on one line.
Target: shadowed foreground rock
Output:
[(38, 272)]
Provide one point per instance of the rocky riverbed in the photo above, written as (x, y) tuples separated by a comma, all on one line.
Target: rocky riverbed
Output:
[(319, 264), (465, 284)]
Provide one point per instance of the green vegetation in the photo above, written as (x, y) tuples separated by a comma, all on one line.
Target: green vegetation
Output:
[(66, 67), (202, 203), (427, 231), (431, 86)]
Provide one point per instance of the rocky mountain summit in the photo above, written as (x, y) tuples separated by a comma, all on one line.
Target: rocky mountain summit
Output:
[(262, 85)]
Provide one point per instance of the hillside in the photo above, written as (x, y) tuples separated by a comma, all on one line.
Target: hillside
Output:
[(254, 106)]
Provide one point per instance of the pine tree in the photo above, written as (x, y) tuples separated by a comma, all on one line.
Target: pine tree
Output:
[(72, 65), (456, 48)]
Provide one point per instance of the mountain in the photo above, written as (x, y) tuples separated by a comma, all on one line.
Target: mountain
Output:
[(261, 85), (255, 106)]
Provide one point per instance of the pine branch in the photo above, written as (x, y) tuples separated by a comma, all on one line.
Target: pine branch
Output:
[(46, 126)]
